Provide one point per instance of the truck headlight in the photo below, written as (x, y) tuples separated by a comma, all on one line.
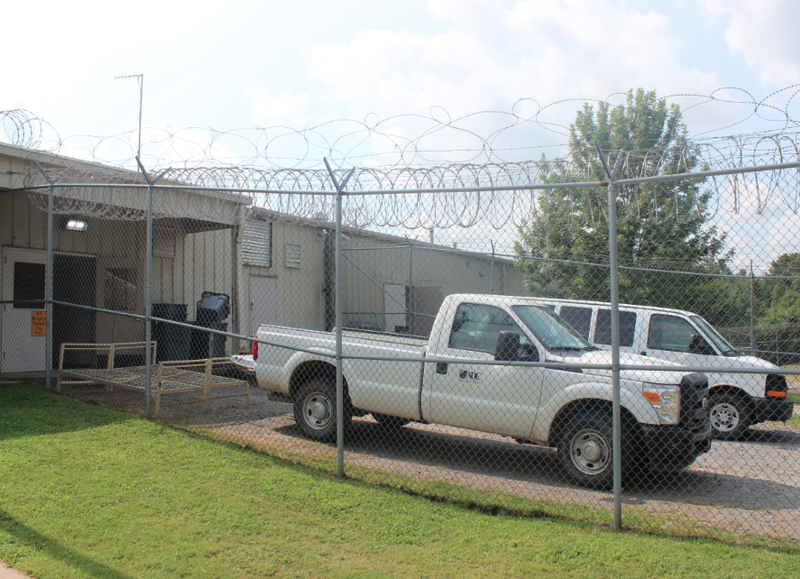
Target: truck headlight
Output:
[(666, 399)]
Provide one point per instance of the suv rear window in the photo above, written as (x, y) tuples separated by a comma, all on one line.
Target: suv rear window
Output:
[(627, 327)]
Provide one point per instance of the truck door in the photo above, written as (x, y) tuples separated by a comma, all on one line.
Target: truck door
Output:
[(498, 399)]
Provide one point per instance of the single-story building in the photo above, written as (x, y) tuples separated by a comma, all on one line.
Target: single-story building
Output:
[(287, 275), (275, 268), (99, 249)]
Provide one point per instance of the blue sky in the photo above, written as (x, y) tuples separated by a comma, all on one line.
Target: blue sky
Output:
[(242, 64)]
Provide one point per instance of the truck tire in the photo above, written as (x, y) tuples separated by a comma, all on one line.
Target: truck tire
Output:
[(729, 414), (585, 451), (392, 422), (315, 410)]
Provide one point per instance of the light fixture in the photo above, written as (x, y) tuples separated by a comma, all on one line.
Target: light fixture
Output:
[(73, 224), (76, 225)]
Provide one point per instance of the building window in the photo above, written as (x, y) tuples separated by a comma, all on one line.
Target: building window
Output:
[(29, 280), (292, 255)]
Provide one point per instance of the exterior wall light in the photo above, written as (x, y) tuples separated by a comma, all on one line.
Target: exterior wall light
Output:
[(73, 224)]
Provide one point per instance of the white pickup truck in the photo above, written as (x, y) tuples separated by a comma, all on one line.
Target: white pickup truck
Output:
[(664, 414)]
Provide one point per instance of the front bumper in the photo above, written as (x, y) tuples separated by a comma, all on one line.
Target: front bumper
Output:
[(772, 409), (674, 447)]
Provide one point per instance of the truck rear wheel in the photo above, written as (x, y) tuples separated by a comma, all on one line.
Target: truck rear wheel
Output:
[(315, 409), (729, 415), (585, 451)]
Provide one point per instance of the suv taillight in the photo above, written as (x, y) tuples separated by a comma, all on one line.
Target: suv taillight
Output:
[(255, 351)]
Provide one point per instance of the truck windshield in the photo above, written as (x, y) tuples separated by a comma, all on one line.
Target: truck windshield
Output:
[(721, 343), (551, 330)]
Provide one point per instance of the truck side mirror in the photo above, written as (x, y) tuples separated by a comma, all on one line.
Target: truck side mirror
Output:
[(697, 345), (530, 353), (507, 346)]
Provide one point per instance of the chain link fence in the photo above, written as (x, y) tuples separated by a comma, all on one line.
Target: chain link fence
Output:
[(477, 363)]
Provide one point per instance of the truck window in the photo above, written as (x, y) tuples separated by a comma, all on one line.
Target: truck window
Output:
[(579, 318), (627, 327), (477, 327), (670, 333)]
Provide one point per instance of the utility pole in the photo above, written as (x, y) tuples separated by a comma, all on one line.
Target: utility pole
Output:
[(140, 79)]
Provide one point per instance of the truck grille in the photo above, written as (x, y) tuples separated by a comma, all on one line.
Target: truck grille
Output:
[(694, 401)]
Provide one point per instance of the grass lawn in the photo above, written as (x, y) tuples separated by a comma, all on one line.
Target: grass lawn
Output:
[(89, 492)]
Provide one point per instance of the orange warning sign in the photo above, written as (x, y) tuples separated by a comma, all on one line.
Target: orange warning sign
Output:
[(38, 324)]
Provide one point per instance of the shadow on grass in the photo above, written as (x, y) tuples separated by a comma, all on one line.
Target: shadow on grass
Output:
[(29, 538), (28, 410)]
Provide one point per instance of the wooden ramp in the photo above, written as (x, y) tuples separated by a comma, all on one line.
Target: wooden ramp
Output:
[(168, 377)]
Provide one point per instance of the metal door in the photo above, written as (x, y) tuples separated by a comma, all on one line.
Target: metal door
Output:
[(263, 301), (24, 340)]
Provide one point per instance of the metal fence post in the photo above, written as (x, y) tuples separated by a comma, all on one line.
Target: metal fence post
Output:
[(48, 279), (752, 311), (148, 300), (491, 272), (614, 274), (410, 305), (338, 308)]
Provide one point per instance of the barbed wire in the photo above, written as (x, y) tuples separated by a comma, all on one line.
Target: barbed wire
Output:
[(410, 152), (489, 137)]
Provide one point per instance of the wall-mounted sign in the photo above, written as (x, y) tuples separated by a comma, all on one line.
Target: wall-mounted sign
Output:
[(38, 323)]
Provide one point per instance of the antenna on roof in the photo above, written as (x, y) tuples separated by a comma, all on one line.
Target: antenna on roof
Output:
[(140, 79)]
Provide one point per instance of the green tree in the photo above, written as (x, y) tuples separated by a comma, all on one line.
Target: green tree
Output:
[(782, 287), (563, 246)]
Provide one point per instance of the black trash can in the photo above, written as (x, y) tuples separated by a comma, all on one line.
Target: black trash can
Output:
[(204, 343), (212, 308), (173, 341), (175, 312)]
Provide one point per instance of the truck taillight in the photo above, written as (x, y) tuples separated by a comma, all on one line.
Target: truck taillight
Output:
[(255, 351)]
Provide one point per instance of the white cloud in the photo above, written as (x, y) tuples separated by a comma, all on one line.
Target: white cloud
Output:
[(493, 55), (282, 109), (765, 33)]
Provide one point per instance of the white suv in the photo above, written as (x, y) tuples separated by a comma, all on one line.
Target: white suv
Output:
[(737, 400)]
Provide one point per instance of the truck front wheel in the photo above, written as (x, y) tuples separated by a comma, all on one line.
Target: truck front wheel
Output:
[(315, 409), (729, 415), (585, 451)]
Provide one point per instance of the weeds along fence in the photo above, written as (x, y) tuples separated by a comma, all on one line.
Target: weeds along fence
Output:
[(144, 293)]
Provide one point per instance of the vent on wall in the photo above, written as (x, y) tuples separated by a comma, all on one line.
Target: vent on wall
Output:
[(257, 244), (292, 255), (164, 242)]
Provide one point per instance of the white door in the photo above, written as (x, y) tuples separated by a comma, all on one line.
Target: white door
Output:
[(263, 301), (499, 399), (24, 342)]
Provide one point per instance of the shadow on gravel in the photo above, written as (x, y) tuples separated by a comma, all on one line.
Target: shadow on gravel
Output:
[(785, 438)]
